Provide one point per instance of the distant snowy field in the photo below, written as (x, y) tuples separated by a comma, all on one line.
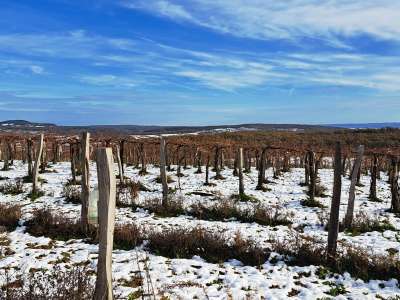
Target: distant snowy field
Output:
[(194, 278)]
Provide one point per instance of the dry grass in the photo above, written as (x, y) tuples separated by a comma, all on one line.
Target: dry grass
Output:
[(215, 247), (9, 216), (223, 209), (75, 283), (304, 251), (72, 193), (12, 187), (363, 223), (127, 192), (47, 223)]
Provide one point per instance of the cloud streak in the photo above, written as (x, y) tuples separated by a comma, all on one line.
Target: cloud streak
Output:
[(327, 20)]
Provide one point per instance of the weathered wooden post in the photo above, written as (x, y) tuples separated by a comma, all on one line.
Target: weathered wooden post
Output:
[(6, 156), (350, 205), (374, 176), (35, 175), (261, 170), (306, 170), (207, 170), (143, 171), (312, 174), (72, 158), (106, 208), (120, 168), (85, 194), (217, 165), (198, 162), (121, 154), (163, 173), (43, 163), (29, 146), (334, 214), (240, 169), (394, 184), (235, 165)]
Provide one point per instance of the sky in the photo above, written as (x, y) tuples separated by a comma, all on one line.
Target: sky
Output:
[(200, 62)]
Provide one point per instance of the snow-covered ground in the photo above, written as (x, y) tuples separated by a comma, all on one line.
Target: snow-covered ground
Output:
[(195, 278)]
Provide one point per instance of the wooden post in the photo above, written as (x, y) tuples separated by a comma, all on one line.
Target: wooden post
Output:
[(350, 205), (29, 145), (85, 194), (235, 165), (306, 170), (6, 157), (143, 171), (261, 171), (207, 170), (120, 169), (35, 176), (163, 173), (198, 162), (334, 214), (43, 163), (240, 169), (73, 165), (312, 174), (121, 154), (106, 208), (374, 176), (394, 184)]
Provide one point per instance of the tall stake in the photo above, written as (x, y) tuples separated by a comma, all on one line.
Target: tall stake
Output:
[(334, 215), (350, 205), (35, 175), (240, 169), (120, 168), (374, 176), (85, 152), (106, 208), (163, 173)]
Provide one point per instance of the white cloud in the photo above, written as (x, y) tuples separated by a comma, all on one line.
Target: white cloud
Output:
[(37, 69), (164, 8), (289, 19), (98, 61), (108, 80)]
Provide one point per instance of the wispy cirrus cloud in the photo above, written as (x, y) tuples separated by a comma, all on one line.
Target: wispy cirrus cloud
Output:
[(108, 80), (72, 44), (101, 61), (326, 20)]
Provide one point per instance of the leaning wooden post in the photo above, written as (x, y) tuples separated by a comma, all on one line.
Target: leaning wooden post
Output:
[(163, 173), (240, 169), (106, 211), (120, 169), (85, 153), (334, 215), (350, 205), (35, 175)]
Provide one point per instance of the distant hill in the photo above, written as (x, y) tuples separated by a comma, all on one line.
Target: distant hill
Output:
[(26, 126), (24, 123), (368, 125)]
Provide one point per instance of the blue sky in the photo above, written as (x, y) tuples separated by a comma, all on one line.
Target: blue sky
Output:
[(198, 62)]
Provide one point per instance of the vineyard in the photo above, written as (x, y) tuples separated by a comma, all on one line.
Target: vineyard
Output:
[(241, 215)]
